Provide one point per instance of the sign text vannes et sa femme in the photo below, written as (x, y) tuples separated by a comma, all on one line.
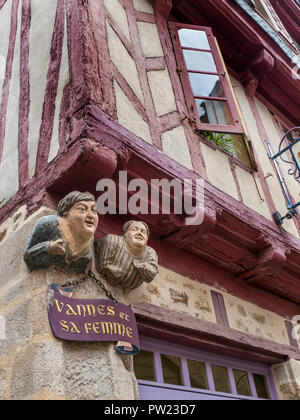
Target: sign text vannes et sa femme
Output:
[(91, 320)]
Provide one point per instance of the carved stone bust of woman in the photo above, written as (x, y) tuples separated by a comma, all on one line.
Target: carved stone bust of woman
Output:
[(65, 240)]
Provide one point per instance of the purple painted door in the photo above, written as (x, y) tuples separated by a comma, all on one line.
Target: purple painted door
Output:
[(166, 371)]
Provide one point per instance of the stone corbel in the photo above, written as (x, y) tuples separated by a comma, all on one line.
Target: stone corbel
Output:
[(269, 264)]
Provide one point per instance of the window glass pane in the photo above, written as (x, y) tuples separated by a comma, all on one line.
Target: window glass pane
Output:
[(213, 112), (144, 366), (242, 382), (221, 379), (197, 374), (199, 60), (171, 367), (206, 85), (192, 38), (261, 386)]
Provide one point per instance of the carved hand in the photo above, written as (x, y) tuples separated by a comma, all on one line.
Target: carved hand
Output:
[(58, 247), (144, 265), (111, 271), (138, 264)]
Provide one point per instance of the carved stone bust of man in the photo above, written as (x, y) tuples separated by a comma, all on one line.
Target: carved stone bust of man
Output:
[(126, 260), (65, 240)]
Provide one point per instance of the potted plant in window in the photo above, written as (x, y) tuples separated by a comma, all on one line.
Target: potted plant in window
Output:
[(223, 140)]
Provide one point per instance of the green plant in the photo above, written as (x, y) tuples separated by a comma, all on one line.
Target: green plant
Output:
[(222, 140)]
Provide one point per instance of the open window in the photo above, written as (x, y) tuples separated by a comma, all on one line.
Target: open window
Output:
[(212, 107)]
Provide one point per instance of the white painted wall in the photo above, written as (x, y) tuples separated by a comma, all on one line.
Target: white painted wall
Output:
[(40, 37), (5, 18), (64, 79), (9, 169)]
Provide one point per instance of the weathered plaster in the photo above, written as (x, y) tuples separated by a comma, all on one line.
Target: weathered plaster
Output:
[(275, 139), (9, 169), (119, 14), (64, 78), (149, 38), (221, 179), (41, 32), (143, 6), (251, 319), (162, 92), (262, 155), (175, 146), (5, 17), (124, 62), (173, 291), (129, 117), (249, 190)]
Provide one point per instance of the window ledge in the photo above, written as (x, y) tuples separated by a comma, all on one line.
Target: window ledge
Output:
[(232, 159)]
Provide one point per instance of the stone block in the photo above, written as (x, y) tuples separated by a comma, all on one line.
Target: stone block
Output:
[(124, 383), (10, 225), (175, 292), (16, 291), (87, 371), (3, 379), (17, 327), (37, 366), (28, 318), (96, 371), (6, 346), (287, 380), (12, 266)]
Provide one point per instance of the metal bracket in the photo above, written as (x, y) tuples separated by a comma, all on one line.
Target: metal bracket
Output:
[(295, 171)]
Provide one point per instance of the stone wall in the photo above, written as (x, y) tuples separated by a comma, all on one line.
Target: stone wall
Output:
[(181, 294), (287, 380)]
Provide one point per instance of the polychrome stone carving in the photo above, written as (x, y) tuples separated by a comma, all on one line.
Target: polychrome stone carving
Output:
[(126, 261), (65, 240)]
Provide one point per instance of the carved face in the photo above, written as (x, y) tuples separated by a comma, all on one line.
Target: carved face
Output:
[(136, 236), (83, 218)]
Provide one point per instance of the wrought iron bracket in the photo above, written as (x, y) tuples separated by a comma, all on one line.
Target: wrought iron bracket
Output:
[(294, 171)]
